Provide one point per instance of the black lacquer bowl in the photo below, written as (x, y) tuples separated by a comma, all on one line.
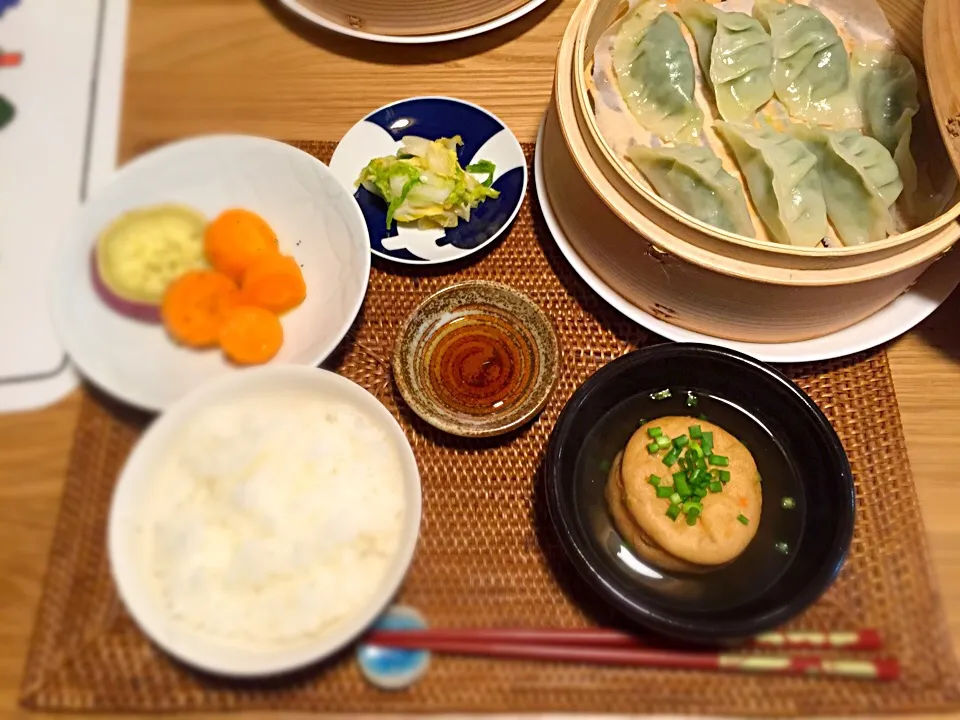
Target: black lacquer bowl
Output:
[(800, 544)]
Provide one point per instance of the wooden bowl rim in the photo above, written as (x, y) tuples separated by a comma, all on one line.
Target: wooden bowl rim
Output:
[(478, 28)]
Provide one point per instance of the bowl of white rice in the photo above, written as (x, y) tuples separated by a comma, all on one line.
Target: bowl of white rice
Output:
[(264, 520)]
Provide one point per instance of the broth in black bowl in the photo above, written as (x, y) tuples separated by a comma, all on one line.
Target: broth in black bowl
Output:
[(799, 544)]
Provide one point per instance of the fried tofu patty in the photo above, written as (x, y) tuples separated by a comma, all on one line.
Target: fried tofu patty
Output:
[(718, 536)]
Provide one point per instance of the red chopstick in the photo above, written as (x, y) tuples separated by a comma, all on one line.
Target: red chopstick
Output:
[(604, 638), (882, 669)]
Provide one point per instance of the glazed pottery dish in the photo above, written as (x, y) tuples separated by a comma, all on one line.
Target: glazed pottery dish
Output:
[(264, 520), (699, 492), (477, 359)]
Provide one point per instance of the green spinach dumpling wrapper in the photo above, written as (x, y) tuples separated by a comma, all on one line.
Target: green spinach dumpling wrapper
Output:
[(655, 74), (860, 182), (781, 174), (811, 70), (692, 178), (886, 86), (736, 56)]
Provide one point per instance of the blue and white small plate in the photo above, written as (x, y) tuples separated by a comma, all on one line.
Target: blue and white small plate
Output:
[(485, 137)]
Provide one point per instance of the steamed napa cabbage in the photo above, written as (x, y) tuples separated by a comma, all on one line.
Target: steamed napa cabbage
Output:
[(424, 182)]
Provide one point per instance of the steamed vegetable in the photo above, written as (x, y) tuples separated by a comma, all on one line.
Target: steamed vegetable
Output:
[(142, 252), (274, 283), (251, 335), (196, 306), (237, 239), (145, 312), (424, 182)]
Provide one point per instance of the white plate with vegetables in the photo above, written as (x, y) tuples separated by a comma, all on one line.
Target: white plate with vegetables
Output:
[(436, 178), (206, 256)]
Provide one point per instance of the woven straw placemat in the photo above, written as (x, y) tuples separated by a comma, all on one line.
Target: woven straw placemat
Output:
[(488, 556)]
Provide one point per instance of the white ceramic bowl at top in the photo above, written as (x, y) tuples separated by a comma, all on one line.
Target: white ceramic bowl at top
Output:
[(315, 218), (137, 481)]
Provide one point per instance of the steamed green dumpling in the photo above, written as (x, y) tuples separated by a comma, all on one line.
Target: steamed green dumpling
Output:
[(781, 174), (736, 56), (860, 181), (811, 70), (886, 86), (655, 74), (692, 178)]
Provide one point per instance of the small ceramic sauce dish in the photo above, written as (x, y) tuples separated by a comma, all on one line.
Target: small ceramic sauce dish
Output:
[(476, 359)]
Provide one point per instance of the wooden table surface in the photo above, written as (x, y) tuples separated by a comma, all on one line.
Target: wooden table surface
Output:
[(201, 66)]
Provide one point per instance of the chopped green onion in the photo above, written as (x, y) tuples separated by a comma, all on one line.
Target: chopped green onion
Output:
[(695, 432), (695, 476), (724, 476), (679, 442), (719, 460), (782, 547), (695, 451), (691, 399), (662, 395), (787, 503), (692, 518), (706, 443), (743, 519), (670, 458), (653, 448), (680, 482), (700, 492), (675, 499), (691, 504), (701, 464), (654, 432), (716, 486), (673, 511), (664, 491), (654, 480), (663, 442)]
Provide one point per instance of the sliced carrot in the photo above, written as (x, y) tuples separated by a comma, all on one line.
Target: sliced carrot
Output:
[(237, 239), (251, 335), (196, 305), (274, 283)]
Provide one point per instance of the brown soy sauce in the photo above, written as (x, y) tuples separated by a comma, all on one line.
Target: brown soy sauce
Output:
[(480, 363)]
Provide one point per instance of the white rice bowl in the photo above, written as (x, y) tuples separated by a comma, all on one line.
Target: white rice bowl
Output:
[(264, 520)]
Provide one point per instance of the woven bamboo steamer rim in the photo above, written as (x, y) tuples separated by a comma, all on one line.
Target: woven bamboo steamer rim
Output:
[(592, 19), (421, 17), (940, 21), (667, 234)]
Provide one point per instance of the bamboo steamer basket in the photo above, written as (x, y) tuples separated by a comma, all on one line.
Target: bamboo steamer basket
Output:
[(700, 278), (600, 14), (421, 17)]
